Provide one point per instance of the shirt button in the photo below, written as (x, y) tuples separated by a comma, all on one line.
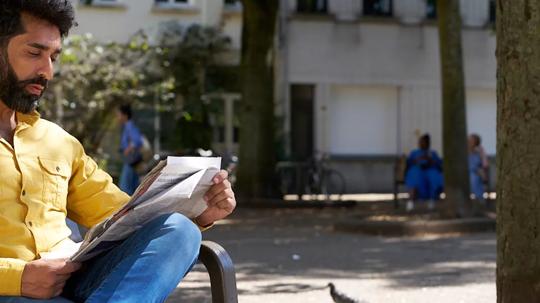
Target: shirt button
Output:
[(30, 223), (58, 169), (24, 192)]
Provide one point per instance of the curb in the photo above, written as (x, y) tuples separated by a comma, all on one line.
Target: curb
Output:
[(278, 203), (416, 228)]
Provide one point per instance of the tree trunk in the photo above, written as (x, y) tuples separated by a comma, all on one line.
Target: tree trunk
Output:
[(518, 151), (456, 177), (257, 148)]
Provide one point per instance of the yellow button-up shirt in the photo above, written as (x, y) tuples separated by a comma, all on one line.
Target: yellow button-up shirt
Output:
[(44, 177)]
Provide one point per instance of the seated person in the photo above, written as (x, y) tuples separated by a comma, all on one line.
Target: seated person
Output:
[(423, 177), (478, 166), (46, 176)]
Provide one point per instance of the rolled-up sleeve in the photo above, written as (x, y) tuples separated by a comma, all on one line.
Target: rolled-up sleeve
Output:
[(11, 271)]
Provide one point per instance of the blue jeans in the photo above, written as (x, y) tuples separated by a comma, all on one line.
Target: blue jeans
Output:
[(129, 179), (146, 267)]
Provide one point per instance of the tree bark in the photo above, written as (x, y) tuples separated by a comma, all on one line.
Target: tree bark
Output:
[(456, 177), (518, 151), (257, 149)]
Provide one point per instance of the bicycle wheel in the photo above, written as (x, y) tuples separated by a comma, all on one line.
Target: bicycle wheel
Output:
[(333, 183)]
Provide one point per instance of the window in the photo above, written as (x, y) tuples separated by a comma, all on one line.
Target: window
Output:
[(380, 8), (312, 6), (233, 5), (492, 11), (431, 9), (94, 2), (104, 3), (172, 2)]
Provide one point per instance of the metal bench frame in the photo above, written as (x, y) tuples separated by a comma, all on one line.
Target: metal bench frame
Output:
[(219, 265)]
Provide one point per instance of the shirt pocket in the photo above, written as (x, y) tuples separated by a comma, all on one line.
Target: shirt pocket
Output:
[(55, 182)]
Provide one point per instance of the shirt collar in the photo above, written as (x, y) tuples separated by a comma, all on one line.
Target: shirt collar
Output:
[(29, 119)]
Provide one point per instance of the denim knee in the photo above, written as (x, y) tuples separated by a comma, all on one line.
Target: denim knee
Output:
[(184, 232)]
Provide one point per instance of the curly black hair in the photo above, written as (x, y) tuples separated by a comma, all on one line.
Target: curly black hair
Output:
[(57, 12)]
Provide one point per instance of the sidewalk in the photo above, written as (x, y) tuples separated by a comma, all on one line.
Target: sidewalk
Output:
[(290, 255)]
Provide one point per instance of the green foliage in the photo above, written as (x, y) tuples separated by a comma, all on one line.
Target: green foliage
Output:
[(186, 55), (169, 66)]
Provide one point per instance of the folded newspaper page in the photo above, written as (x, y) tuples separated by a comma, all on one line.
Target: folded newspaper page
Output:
[(177, 184)]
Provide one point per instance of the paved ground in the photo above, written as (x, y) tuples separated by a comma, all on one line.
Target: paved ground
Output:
[(291, 255)]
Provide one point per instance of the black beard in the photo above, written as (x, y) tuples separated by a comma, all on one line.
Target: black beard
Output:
[(14, 95)]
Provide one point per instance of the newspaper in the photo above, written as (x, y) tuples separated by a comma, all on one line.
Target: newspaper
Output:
[(177, 184)]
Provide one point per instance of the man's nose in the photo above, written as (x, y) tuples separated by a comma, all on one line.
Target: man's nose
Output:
[(46, 70)]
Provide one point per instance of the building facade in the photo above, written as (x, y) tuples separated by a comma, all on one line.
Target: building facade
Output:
[(356, 80), (363, 77)]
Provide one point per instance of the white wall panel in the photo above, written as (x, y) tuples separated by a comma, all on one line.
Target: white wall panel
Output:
[(482, 117), (362, 120)]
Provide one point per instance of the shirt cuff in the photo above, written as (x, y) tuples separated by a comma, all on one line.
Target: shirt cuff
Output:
[(11, 271), (201, 227)]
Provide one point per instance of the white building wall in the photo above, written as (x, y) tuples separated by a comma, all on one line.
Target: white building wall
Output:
[(482, 116), (375, 53), (363, 55), (362, 120), (421, 112), (120, 20)]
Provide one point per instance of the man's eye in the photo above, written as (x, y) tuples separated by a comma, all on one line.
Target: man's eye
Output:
[(53, 59), (34, 54)]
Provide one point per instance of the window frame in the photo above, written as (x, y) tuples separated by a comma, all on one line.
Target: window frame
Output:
[(103, 3), (174, 4)]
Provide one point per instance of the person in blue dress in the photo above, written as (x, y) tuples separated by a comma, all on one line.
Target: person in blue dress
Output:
[(130, 145), (424, 174), (478, 166)]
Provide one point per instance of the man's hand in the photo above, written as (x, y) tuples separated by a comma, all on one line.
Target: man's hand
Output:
[(45, 279), (220, 200)]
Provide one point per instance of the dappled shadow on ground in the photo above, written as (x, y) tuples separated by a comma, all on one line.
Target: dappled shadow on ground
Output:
[(284, 245)]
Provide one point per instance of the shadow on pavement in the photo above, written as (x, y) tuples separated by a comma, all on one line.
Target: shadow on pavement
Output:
[(274, 250)]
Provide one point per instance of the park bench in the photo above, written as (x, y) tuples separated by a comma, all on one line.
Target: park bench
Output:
[(220, 268)]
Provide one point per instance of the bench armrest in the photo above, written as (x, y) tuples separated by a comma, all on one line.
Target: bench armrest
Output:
[(221, 271)]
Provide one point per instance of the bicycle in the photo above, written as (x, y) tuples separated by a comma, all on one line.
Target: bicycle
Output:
[(313, 177), (323, 180)]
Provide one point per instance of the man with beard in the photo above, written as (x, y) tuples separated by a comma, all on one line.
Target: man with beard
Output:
[(45, 177)]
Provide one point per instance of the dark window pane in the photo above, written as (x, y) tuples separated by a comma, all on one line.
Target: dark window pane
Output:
[(492, 10), (378, 8), (312, 6), (171, 1), (431, 9)]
